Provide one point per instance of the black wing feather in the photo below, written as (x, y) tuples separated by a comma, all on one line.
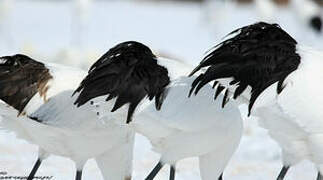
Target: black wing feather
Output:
[(239, 90), (218, 91), (225, 98), (214, 84), (258, 56), (128, 72)]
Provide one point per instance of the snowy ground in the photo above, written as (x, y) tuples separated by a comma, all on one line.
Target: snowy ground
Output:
[(43, 29)]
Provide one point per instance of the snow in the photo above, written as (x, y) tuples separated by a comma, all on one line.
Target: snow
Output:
[(182, 31)]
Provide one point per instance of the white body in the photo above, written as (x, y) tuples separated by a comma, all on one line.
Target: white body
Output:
[(294, 117), (74, 132), (196, 126)]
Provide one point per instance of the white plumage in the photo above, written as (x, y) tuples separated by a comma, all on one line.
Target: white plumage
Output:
[(265, 65), (177, 126), (294, 118), (189, 127), (72, 132)]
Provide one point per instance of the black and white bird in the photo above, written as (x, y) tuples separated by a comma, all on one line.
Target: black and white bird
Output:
[(264, 67), (39, 107), (177, 126)]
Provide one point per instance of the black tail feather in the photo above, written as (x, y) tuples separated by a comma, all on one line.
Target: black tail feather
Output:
[(257, 56), (218, 91), (128, 72), (225, 98)]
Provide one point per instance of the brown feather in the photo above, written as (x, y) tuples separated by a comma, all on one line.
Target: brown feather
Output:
[(20, 79)]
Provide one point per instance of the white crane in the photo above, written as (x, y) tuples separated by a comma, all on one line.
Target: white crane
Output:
[(177, 126), (264, 67), (40, 94)]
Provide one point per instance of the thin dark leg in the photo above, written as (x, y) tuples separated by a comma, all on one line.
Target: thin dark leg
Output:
[(155, 171), (78, 175), (221, 177), (282, 173), (172, 173), (319, 176), (34, 170)]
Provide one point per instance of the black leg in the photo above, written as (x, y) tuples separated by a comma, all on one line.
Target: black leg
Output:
[(172, 173), (319, 176), (155, 171), (34, 170), (221, 176), (78, 175), (283, 173)]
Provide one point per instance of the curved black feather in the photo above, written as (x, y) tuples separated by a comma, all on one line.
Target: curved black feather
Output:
[(239, 90), (128, 72), (218, 91), (214, 84), (257, 56), (195, 82), (21, 77), (225, 98)]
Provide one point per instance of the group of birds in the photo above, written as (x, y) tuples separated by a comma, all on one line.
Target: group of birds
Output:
[(183, 111)]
